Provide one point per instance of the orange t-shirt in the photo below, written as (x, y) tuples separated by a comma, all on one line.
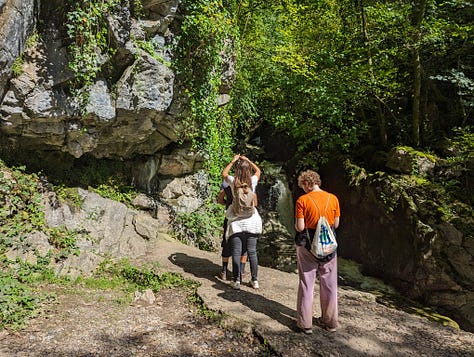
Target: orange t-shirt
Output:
[(305, 208)]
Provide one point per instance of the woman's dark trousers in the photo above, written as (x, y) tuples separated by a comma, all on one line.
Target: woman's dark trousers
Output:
[(241, 243)]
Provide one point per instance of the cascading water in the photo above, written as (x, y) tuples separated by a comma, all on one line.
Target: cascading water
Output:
[(145, 175), (281, 201), (276, 246)]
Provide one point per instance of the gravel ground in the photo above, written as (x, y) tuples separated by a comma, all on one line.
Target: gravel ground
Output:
[(100, 323), (96, 323)]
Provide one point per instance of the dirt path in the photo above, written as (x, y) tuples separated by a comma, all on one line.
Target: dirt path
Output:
[(367, 327), (84, 325)]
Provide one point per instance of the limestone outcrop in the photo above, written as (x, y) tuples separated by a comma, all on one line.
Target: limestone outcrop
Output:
[(406, 229), (130, 113), (121, 118)]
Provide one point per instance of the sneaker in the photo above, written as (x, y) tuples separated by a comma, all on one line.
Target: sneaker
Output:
[(237, 285), (255, 284), (330, 329), (306, 331)]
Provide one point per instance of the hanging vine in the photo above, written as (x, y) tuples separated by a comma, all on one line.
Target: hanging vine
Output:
[(208, 35), (87, 28)]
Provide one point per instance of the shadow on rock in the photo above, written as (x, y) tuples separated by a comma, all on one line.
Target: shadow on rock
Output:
[(258, 303), (199, 267)]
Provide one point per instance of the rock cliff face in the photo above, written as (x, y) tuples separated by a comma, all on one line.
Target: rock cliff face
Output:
[(17, 21), (403, 232), (131, 115)]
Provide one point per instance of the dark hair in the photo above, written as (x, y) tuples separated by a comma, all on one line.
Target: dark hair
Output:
[(243, 173)]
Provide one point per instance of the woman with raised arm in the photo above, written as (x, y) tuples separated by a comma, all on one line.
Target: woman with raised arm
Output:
[(243, 229)]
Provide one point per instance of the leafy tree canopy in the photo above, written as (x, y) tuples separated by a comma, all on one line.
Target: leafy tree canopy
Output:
[(335, 73)]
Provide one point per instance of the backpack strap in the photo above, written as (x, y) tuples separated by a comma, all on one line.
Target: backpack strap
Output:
[(314, 202), (327, 204), (313, 231)]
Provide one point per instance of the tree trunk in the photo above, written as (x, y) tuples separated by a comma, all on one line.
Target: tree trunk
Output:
[(380, 116), (417, 69), (416, 97)]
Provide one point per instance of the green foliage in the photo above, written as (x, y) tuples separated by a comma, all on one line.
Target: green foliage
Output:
[(208, 36), (150, 47), (117, 191), (463, 143), (129, 277), (19, 296), (32, 40), (137, 9), (413, 152), (430, 199), (145, 278), (464, 86), (17, 67), (207, 313), (21, 215), (461, 146), (96, 172), (21, 202), (28, 273), (69, 195), (302, 86), (21, 212), (331, 73), (63, 239), (201, 228), (107, 178), (17, 302), (87, 29)]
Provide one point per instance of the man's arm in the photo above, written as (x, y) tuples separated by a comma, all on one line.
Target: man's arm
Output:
[(299, 224)]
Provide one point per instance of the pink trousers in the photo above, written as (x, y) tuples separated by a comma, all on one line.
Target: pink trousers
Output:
[(307, 268)]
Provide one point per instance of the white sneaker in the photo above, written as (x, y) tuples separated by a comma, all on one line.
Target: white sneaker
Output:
[(237, 285), (255, 284)]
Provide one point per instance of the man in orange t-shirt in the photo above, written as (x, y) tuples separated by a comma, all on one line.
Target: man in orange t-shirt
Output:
[(309, 206)]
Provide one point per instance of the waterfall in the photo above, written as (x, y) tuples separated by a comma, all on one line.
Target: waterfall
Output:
[(276, 246), (144, 175), (281, 201), (150, 172)]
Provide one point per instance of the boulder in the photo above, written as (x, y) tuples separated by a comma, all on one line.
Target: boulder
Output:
[(396, 230), (406, 160), (104, 228)]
